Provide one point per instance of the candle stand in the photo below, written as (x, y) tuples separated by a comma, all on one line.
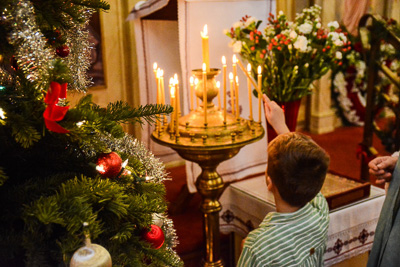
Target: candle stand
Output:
[(208, 142)]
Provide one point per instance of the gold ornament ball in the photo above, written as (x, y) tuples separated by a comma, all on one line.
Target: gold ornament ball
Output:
[(91, 255)]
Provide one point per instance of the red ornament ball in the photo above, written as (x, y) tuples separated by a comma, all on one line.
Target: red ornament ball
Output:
[(155, 236), (109, 164), (62, 51)]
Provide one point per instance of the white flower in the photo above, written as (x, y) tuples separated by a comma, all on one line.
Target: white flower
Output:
[(237, 24), (343, 37), (225, 31), (305, 28), (293, 35), (338, 55), (249, 21), (318, 25), (280, 13), (333, 24), (237, 47), (306, 65), (334, 36), (338, 42), (290, 46), (301, 43)]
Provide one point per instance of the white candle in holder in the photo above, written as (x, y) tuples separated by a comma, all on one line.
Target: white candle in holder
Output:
[(232, 92), (191, 81), (172, 96), (250, 94), (204, 42), (205, 93), (259, 76), (224, 82)]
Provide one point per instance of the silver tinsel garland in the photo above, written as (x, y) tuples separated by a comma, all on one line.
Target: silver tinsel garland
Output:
[(79, 58), (154, 168), (32, 56)]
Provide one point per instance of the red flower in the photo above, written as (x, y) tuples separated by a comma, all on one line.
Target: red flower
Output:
[(261, 55), (252, 48), (53, 112)]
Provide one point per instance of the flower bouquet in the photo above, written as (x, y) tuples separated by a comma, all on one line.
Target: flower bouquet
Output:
[(291, 54)]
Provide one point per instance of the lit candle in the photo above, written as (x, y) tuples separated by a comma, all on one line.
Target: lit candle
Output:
[(232, 92), (162, 89), (172, 96), (158, 123), (204, 42), (237, 96), (155, 70), (234, 61), (249, 87), (177, 104), (224, 77), (259, 92), (191, 80), (196, 82), (205, 93), (219, 95)]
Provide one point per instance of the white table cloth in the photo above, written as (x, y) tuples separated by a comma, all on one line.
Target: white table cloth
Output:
[(351, 228)]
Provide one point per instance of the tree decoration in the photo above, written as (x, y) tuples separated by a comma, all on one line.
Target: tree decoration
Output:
[(54, 112), (91, 255), (109, 164), (62, 51), (155, 236)]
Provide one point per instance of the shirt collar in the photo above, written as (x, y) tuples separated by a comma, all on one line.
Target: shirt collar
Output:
[(286, 218)]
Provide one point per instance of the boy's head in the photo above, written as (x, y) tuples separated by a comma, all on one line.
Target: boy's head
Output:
[(297, 167)]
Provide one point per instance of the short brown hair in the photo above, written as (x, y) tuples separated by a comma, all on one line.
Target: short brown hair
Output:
[(297, 166)]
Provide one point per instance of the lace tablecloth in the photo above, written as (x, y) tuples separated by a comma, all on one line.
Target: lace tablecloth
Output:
[(351, 228)]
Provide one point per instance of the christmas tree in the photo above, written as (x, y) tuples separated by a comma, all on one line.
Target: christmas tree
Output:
[(63, 167)]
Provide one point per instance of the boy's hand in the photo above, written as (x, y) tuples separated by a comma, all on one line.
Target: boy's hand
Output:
[(382, 168), (275, 116)]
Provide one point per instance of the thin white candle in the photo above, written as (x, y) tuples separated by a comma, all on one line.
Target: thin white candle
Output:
[(219, 94), (234, 61), (250, 94), (205, 93), (232, 92), (196, 82), (191, 81), (259, 76), (172, 96), (237, 96), (177, 104), (224, 77), (158, 117), (205, 46)]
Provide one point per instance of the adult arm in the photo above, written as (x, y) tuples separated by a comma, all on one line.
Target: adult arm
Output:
[(382, 168)]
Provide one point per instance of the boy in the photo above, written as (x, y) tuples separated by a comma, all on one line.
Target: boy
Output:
[(294, 235)]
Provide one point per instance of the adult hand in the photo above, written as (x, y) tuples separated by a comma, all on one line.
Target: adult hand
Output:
[(275, 116), (382, 167)]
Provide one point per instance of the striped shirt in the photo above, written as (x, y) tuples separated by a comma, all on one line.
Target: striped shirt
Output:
[(289, 239)]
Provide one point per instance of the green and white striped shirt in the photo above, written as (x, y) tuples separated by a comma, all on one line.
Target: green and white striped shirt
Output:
[(289, 239)]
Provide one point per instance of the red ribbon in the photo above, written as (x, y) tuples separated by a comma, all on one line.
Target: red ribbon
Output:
[(54, 113), (363, 153)]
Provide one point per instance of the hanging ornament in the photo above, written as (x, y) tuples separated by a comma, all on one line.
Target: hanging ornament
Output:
[(155, 236), (91, 255), (62, 51), (109, 164), (158, 219)]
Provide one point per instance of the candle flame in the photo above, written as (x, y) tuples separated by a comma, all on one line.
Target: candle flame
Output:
[(234, 60), (191, 80), (230, 76), (248, 67), (161, 73), (176, 81), (155, 66), (204, 33), (218, 84), (158, 73), (223, 60), (2, 114), (259, 70), (204, 67), (237, 79), (173, 91), (196, 81)]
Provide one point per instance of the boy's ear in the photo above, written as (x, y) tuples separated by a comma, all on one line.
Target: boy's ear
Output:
[(269, 183)]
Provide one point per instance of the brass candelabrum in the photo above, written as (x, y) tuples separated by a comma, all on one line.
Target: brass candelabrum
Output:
[(208, 143)]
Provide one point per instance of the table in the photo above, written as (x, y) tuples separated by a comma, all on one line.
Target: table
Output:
[(351, 228)]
